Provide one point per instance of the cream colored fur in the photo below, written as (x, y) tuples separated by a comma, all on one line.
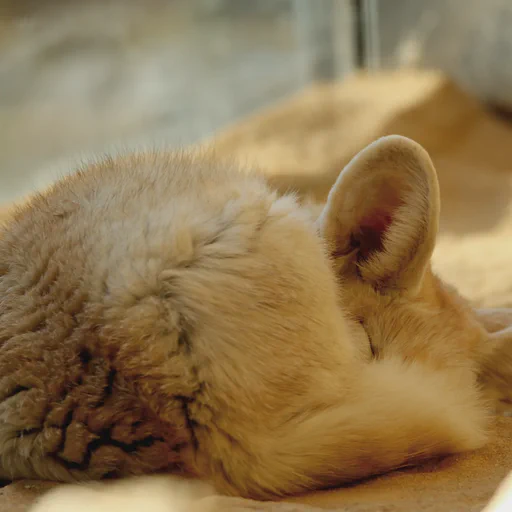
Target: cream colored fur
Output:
[(285, 352)]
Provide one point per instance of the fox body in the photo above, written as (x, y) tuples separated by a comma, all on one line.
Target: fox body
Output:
[(172, 313)]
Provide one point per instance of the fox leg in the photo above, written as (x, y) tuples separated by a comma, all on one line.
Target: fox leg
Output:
[(495, 319), (496, 362)]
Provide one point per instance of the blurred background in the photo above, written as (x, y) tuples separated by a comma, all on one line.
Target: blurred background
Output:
[(79, 77)]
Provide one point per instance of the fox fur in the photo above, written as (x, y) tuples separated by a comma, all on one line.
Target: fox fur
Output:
[(169, 312)]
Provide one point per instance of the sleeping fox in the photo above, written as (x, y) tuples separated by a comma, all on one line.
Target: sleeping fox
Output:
[(172, 313)]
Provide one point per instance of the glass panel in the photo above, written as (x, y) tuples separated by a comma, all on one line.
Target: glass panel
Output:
[(79, 77)]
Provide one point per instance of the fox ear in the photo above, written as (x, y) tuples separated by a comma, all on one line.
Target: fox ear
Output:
[(382, 214)]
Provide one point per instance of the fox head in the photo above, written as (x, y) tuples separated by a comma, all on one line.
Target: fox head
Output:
[(380, 225)]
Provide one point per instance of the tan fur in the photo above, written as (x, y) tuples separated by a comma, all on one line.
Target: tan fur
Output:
[(166, 312)]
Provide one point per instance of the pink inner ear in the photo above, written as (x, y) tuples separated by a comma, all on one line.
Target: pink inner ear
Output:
[(372, 227), (379, 221)]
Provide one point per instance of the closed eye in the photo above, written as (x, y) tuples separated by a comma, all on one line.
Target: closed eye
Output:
[(368, 335)]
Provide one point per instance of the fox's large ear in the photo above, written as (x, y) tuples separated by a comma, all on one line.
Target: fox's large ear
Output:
[(382, 214)]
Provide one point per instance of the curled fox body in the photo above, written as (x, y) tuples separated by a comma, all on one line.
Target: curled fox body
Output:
[(171, 313)]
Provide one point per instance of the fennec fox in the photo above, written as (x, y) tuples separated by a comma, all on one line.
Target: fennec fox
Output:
[(168, 312)]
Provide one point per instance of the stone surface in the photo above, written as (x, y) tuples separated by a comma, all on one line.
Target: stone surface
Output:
[(82, 77)]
